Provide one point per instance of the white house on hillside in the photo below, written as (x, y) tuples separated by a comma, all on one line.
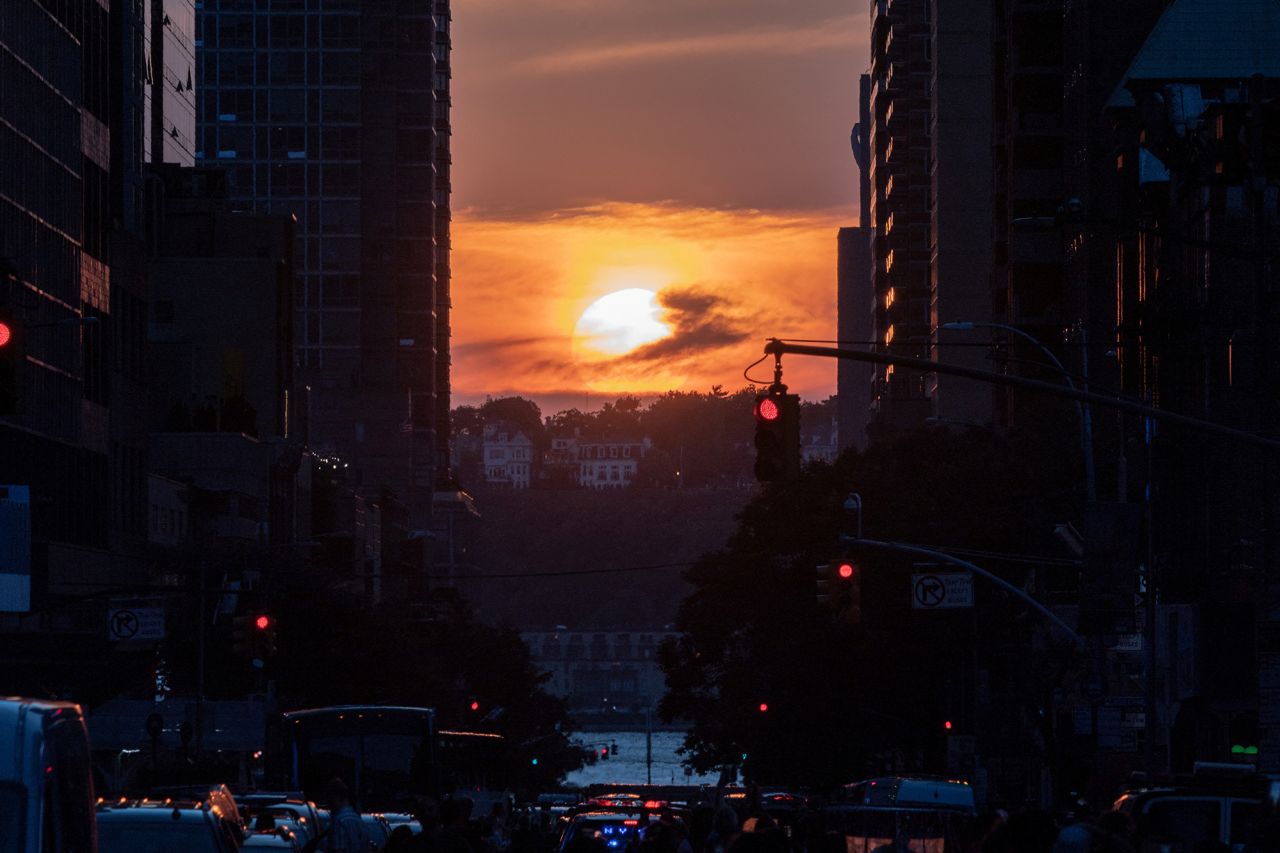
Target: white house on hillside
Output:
[(508, 456)]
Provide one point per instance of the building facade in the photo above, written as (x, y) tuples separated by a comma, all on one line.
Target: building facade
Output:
[(898, 164), (71, 431), (169, 115), (1195, 180), (610, 463), (508, 456), (959, 200), (336, 113), (599, 670)]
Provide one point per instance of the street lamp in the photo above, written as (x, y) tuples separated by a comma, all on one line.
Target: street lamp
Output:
[(1086, 419)]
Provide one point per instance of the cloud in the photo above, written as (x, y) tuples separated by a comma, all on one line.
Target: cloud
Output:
[(503, 346), (726, 280), (700, 321), (844, 31)]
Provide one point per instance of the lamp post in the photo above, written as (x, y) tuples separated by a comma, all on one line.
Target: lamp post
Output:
[(1086, 419)]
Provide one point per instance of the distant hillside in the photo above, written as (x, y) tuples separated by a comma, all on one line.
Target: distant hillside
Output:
[(553, 531)]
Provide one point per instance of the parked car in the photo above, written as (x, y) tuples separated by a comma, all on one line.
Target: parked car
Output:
[(282, 838), (378, 828), (1216, 804), (299, 815), (162, 827), (46, 778)]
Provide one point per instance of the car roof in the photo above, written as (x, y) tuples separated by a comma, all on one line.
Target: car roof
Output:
[(267, 839), (612, 816), (153, 812)]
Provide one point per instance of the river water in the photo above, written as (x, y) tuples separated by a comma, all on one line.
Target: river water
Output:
[(627, 766)]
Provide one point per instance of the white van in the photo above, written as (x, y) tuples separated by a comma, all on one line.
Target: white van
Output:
[(46, 779)]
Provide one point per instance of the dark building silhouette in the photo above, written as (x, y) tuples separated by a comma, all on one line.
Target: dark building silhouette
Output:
[(339, 116), (959, 201), (855, 299), (220, 331), (74, 282), (898, 163), (1192, 230)]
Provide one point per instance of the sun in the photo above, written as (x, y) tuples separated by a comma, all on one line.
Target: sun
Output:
[(620, 322)]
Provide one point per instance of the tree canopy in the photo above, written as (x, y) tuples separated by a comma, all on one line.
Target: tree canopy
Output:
[(844, 700)]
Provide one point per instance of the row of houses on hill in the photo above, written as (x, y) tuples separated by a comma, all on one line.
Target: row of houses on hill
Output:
[(511, 459)]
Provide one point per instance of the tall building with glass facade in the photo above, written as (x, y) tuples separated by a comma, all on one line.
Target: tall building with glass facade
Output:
[(336, 111)]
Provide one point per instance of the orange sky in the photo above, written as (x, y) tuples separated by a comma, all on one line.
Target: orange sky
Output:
[(696, 148)]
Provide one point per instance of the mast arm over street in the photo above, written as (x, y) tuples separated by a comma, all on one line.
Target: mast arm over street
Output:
[(779, 348)]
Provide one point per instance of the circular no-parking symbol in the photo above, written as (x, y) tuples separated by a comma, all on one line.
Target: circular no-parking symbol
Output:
[(930, 591), (124, 624)]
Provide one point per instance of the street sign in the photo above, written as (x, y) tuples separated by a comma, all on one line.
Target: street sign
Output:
[(1128, 643), (135, 623), (15, 549), (942, 591)]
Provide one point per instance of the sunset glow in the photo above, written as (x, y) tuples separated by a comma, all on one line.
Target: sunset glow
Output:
[(541, 312), (619, 322)]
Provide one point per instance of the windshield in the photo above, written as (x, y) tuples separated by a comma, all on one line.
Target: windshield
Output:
[(12, 804), (154, 836)]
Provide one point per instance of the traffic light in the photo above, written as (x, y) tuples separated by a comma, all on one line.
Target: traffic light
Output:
[(839, 586), (11, 358), (241, 635), (253, 635), (764, 707), (777, 415), (474, 706), (265, 630), (604, 752)]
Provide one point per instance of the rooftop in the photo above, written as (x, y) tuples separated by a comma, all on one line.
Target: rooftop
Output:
[(1207, 40)]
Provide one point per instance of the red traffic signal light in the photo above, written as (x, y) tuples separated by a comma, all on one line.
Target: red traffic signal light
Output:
[(6, 333), (263, 622), (947, 725), (764, 707), (767, 409), (475, 706), (777, 437), (845, 570)]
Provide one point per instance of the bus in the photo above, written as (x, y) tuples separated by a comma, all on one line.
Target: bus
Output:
[(387, 755)]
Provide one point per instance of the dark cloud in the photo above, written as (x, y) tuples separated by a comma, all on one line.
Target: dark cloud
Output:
[(503, 346), (700, 321)]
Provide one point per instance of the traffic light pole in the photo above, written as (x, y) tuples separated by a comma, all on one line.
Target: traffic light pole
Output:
[(1022, 596), (778, 348)]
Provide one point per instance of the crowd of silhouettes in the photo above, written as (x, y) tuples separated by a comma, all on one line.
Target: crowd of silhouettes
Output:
[(745, 827)]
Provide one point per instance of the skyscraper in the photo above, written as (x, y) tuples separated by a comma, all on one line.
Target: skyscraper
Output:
[(899, 170), (336, 111), (855, 300), (71, 433)]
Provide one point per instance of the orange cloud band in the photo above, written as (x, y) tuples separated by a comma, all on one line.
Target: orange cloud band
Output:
[(726, 280)]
